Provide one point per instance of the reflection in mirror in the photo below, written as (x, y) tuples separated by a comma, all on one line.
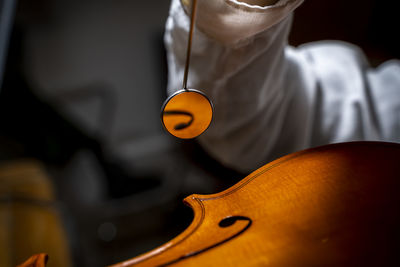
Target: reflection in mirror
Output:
[(187, 113)]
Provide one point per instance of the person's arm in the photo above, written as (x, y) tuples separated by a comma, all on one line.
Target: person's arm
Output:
[(271, 99), (238, 61)]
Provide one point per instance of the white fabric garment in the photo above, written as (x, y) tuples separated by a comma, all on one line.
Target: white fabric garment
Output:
[(272, 99)]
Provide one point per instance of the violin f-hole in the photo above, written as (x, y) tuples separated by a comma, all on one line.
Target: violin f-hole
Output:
[(182, 125), (224, 223), (228, 221)]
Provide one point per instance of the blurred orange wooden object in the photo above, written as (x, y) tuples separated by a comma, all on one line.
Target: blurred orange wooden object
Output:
[(38, 260), (30, 222), (337, 205)]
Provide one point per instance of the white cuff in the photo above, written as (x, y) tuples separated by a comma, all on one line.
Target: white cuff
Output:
[(230, 21)]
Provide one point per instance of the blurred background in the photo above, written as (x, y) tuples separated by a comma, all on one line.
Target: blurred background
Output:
[(87, 173)]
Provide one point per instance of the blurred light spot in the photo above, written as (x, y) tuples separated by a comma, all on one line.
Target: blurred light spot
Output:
[(107, 231)]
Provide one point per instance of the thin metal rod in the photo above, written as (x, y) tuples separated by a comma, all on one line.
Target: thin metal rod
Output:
[(189, 44)]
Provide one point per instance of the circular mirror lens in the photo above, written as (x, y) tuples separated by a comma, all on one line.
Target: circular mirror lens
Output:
[(187, 114)]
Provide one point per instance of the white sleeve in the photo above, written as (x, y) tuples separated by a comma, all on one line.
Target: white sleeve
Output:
[(271, 99), (241, 68)]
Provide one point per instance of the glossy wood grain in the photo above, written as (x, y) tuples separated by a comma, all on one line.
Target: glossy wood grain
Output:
[(336, 205)]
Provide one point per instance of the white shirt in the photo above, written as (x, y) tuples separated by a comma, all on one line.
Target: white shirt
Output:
[(271, 99)]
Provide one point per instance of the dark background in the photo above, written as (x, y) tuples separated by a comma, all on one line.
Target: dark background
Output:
[(82, 88), (371, 24)]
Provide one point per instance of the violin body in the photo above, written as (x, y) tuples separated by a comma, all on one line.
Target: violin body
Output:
[(336, 205)]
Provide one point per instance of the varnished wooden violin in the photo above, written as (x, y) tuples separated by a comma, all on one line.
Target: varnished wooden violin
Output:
[(336, 205)]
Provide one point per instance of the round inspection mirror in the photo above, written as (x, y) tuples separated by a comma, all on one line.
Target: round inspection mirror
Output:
[(187, 113)]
